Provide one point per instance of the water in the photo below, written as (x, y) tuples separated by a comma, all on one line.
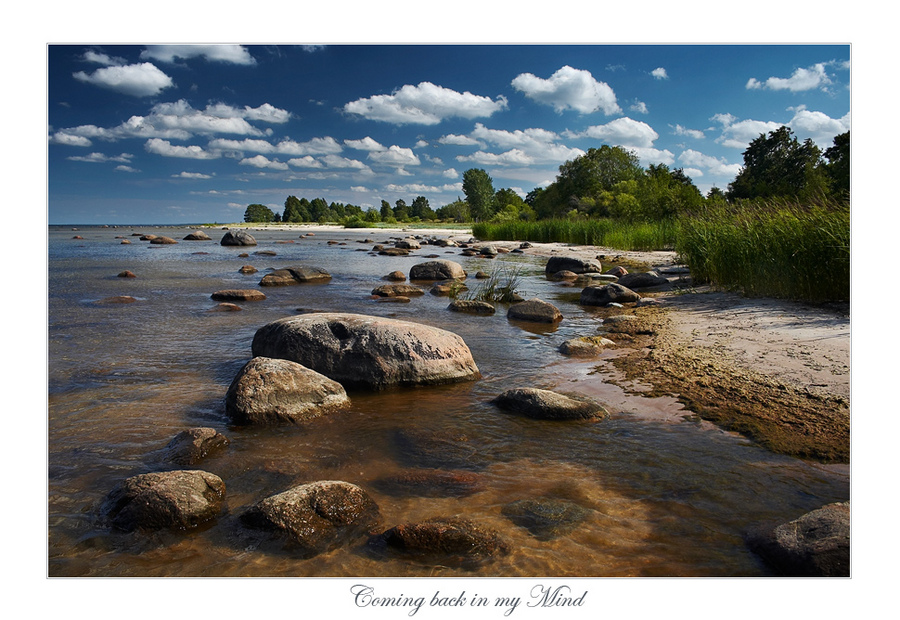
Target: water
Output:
[(668, 495)]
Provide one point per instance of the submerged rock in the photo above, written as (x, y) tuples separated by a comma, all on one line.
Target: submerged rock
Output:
[(316, 517), (366, 351), (548, 405), (442, 449), (450, 540), (268, 391), (238, 295), (190, 447), (471, 306), (397, 290), (545, 518), (297, 274), (816, 544), (430, 483), (179, 500)]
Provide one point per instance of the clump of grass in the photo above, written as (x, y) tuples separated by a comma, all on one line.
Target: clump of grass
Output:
[(501, 287), (773, 249)]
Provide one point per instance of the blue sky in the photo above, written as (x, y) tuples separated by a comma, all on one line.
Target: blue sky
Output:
[(195, 133)]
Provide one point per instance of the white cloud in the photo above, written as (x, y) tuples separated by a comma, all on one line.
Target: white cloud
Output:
[(167, 149), (124, 168), (61, 137), (621, 131), (458, 140), (419, 188), (691, 133), (191, 175), (639, 106), (336, 161), (650, 155), (713, 165), (102, 59), (261, 161), (316, 146), (738, 134), (569, 88), (395, 156), (660, 73), (425, 104), (802, 79), (514, 157), (366, 144), (233, 54), (818, 126), (305, 162), (450, 173), (420, 144), (537, 144), (100, 158), (142, 80)]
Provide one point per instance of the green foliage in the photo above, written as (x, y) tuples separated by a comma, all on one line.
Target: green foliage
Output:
[(636, 236), (596, 171), (774, 248), (502, 286), (457, 211), (479, 190), (420, 209), (779, 166), (838, 166), (258, 213)]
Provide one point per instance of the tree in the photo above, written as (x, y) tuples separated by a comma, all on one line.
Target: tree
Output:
[(401, 211), (421, 210), (838, 166), (479, 190), (386, 211), (258, 213), (458, 211), (596, 171), (293, 210), (777, 166), (664, 193)]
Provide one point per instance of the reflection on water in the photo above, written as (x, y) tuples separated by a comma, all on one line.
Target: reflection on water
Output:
[(665, 495)]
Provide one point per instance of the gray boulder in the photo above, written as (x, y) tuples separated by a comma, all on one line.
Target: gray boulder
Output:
[(471, 306), (451, 541), (190, 447), (178, 500), (642, 280), (816, 544), (297, 274), (534, 310), (238, 295), (408, 244), (238, 237), (197, 235), (567, 263), (548, 405), (316, 517), (362, 351), (268, 391), (437, 270), (397, 290), (607, 294), (587, 346)]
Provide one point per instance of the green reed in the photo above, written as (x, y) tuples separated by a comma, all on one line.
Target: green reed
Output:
[(605, 232), (772, 249)]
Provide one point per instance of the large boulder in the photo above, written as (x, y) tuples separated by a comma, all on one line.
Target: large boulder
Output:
[(361, 351), (567, 263), (163, 241), (267, 391), (316, 517), (548, 405), (178, 500), (471, 306), (197, 235), (586, 346), (408, 244), (642, 280), (437, 270), (190, 447), (535, 310), (452, 541), (607, 294), (816, 544), (238, 237), (298, 274)]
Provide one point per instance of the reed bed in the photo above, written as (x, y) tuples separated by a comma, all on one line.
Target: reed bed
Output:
[(774, 249), (637, 236)]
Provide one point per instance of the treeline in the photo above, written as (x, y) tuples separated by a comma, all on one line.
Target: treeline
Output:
[(318, 210)]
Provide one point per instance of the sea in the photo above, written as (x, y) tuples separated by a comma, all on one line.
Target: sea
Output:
[(665, 493)]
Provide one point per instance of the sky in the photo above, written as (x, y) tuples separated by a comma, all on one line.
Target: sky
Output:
[(159, 134)]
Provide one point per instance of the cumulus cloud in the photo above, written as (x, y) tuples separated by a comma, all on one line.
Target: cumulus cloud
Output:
[(419, 188), (691, 133), (715, 166), (395, 156), (650, 155), (513, 157), (102, 59), (738, 134), (818, 126), (621, 131), (450, 173), (801, 79), (424, 104), (61, 137), (141, 80), (165, 148), (569, 88), (261, 161), (639, 106), (458, 140), (191, 175), (539, 145), (100, 158), (305, 162), (336, 161), (660, 73), (365, 144), (315, 146), (124, 168), (232, 54)]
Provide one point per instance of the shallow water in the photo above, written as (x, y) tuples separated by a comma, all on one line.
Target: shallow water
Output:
[(668, 495)]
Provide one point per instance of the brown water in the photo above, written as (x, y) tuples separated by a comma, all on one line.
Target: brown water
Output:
[(668, 495)]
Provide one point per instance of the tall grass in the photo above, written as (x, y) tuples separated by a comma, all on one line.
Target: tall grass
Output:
[(772, 249), (606, 232)]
